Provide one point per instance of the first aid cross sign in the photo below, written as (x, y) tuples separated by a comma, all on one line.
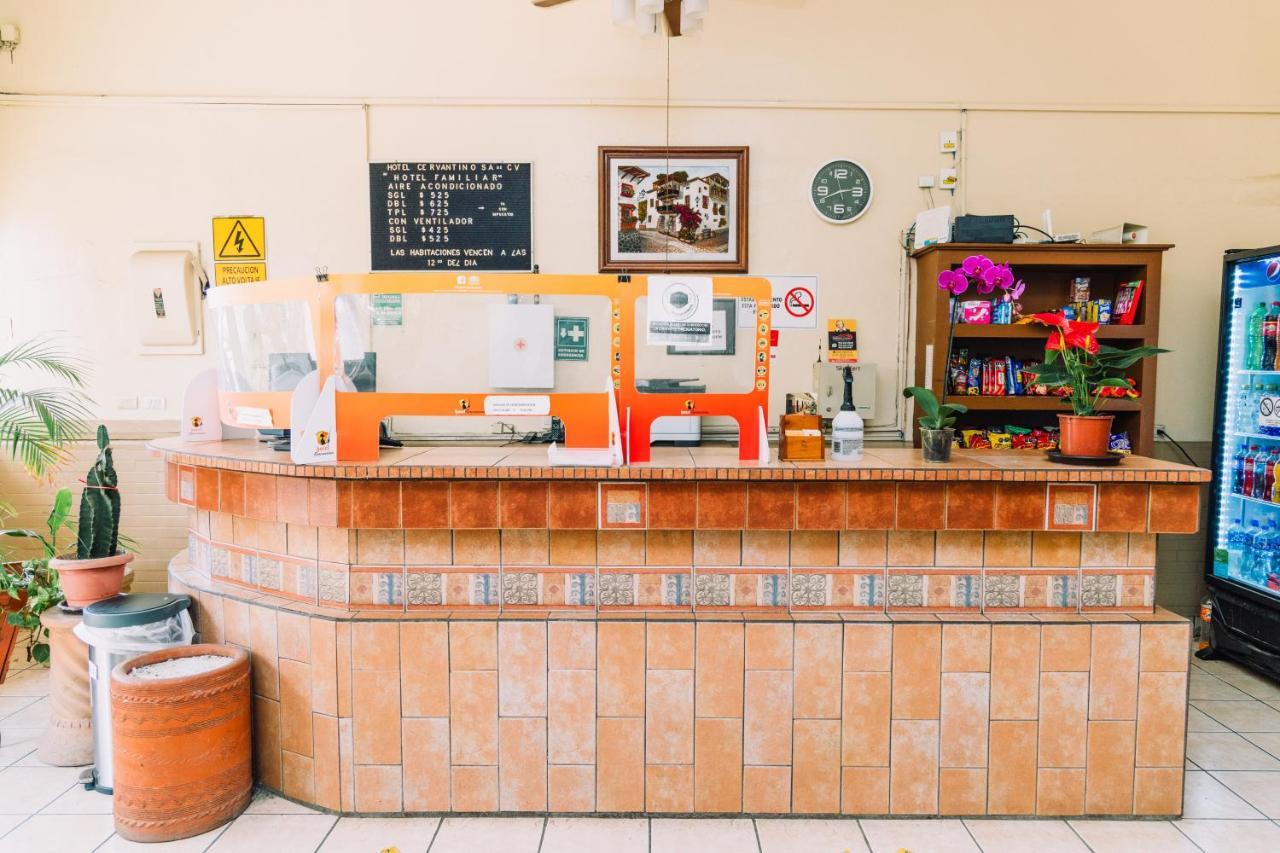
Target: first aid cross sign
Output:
[(572, 334)]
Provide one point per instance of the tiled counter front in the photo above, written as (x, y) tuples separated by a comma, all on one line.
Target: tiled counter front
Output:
[(1056, 714)]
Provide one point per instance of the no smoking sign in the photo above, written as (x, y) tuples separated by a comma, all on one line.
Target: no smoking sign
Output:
[(799, 302), (795, 303)]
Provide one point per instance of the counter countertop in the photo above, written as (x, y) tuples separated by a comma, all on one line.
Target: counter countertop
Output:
[(524, 462)]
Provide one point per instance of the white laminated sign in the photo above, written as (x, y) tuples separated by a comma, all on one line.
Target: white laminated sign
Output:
[(680, 309)]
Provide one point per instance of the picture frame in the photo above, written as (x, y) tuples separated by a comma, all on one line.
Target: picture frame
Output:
[(724, 322), (673, 209)]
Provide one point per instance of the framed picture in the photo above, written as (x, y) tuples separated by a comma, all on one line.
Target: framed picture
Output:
[(673, 209), (724, 321)]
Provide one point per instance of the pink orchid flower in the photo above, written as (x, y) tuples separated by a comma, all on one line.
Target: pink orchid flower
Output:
[(999, 276), (976, 265), (1017, 289), (953, 281)]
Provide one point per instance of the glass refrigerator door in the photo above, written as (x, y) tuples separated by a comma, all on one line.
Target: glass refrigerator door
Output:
[(1247, 528)]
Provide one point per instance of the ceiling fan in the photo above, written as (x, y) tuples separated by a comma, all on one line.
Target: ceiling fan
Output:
[(682, 16)]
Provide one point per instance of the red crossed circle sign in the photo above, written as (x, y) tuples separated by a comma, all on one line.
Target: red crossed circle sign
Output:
[(798, 302)]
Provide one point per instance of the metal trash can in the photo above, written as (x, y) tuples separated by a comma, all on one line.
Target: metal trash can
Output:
[(116, 630)]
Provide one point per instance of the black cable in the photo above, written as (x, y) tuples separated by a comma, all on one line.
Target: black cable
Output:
[(1165, 434), (1017, 226)]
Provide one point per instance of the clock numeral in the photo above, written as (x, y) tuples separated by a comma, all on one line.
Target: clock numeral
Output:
[(840, 174), (857, 192), (823, 190), (839, 208)]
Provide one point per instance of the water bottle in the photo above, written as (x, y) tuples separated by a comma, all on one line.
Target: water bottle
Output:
[(1243, 421), (1268, 555), (1251, 535), (1235, 549), (1258, 316)]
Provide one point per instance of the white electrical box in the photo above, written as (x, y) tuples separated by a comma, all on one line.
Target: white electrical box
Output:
[(828, 388), (165, 288)]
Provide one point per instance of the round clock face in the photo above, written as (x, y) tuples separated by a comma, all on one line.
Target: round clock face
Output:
[(841, 191)]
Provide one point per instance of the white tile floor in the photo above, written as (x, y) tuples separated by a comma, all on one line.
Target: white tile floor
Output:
[(1232, 804)]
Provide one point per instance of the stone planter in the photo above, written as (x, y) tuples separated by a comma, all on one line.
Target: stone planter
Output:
[(68, 741)]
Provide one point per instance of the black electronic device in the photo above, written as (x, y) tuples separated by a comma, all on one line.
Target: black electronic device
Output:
[(984, 229)]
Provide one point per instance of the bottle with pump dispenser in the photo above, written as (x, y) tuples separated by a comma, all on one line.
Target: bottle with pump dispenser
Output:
[(846, 426)]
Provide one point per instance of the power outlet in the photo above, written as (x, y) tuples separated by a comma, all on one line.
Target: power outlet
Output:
[(154, 404), (924, 181), (127, 403)]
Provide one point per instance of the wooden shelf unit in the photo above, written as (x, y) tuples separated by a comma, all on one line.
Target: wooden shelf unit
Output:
[(1047, 269)]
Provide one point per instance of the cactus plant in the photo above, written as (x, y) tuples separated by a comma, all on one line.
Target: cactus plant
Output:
[(98, 533)]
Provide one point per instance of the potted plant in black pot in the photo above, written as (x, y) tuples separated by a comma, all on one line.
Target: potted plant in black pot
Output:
[(937, 432)]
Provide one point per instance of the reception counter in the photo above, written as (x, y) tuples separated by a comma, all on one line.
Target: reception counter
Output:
[(471, 630)]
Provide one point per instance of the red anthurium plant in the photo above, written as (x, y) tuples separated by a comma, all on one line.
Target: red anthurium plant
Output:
[(1075, 361)]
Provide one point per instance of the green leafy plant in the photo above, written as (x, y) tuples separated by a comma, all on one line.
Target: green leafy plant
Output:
[(1074, 360), (936, 415), (33, 585), (37, 424), (98, 533)]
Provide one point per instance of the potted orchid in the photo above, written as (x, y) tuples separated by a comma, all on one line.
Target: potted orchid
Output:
[(1084, 368), (986, 277)]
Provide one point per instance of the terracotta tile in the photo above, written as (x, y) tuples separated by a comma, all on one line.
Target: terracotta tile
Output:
[(1011, 780), (375, 503), (1020, 506), (295, 707), (271, 537), (815, 547), (1113, 672), (672, 506), (1174, 509), (380, 547), (342, 652), (1006, 549), (669, 548), (1053, 548), (221, 528), (426, 764), (921, 506), (1015, 671), (473, 645), (324, 664), (424, 504), (669, 716), (958, 548), (571, 645), (424, 669), (769, 646), (1142, 549), (815, 786), (621, 656), (1164, 647), (346, 765), (1104, 549), (473, 717), (186, 485), (264, 652), (966, 699), (376, 706), (522, 764), (917, 661), (292, 501), (1064, 648), (1122, 507), (302, 540), (768, 548), (615, 547), (522, 504), (820, 506), (962, 791), (1162, 723), (623, 506), (772, 506), (817, 678), (571, 788), (476, 547), (865, 734), (1157, 791), (327, 788), (378, 789), (207, 488), (244, 532), (375, 645), (578, 547), (428, 547), (475, 789), (1060, 792), (231, 492), (266, 742), (966, 648), (293, 634), (336, 544), (863, 548), (717, 765), (669, 788), (911, 548), (719, 671), (260, 496), (766, 790), (913, 777), (1071, 507), (864, 790), (868, 648), (572, 505), (1109, 773), (330, 503), (768, 716), (522, 547), (522, 669), (717, 548), (870, 506), (722, 506), (1064, 713), (473, 504), (571, 719), (620, 769), (971, 506)]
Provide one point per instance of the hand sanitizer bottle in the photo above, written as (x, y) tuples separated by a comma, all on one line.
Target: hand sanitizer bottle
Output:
[(846, 427)]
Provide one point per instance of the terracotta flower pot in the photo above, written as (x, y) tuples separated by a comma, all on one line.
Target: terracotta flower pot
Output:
[(1084, 435), (87, 581), (182, 753)]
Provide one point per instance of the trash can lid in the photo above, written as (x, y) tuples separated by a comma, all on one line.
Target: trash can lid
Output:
[(135, 609)]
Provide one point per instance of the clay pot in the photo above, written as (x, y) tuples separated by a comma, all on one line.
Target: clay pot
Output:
[(183, 752), (1084, 435), (87, 581)]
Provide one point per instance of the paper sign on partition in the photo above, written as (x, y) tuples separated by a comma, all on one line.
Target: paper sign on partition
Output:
[(680, 310)]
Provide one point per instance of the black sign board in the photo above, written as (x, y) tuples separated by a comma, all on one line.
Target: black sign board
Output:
[(450, 216)]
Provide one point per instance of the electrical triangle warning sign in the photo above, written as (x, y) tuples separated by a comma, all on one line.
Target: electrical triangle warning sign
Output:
[(239, 238)]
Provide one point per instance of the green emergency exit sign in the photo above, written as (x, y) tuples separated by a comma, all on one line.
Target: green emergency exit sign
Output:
[(571, 338)]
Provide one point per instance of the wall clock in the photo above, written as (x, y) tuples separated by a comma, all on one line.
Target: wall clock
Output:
[(841, 191)]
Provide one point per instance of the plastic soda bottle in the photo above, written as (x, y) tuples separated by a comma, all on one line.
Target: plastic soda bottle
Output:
[(1246, 481), (1269, 485), (1235, 549), (1259, 474), (1253, 355), (1237, 469), (1269, 337)]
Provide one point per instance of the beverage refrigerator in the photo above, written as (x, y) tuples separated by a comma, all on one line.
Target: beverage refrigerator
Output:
[(1243, 550)]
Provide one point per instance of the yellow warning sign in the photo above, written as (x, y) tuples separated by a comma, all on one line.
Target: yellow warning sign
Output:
[(239, 238), (239, 273)]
